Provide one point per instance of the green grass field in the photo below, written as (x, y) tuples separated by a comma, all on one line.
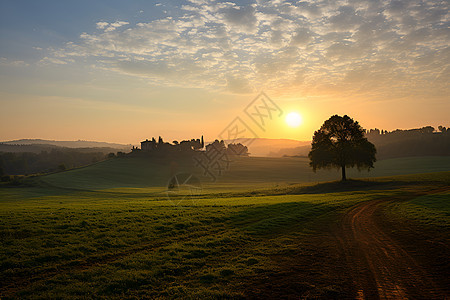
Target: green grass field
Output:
[(141, 172), (109, 230)]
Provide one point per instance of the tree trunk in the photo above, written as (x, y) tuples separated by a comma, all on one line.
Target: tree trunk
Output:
[(344, 178)]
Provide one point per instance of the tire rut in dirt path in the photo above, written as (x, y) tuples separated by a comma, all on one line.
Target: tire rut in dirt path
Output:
[(381, 268)]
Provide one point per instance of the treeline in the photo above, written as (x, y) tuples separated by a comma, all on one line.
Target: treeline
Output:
[(38, 148), (425, 141), (25, 163), (230, 149)]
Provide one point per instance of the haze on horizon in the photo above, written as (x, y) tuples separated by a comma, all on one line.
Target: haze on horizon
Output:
[(124, 71)]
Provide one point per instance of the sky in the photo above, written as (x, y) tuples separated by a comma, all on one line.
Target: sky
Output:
[(124, 71)]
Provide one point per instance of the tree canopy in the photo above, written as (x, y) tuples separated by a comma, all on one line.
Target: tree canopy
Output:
[(341, 143)]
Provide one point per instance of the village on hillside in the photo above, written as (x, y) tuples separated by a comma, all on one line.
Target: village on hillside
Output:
[(190, 146)]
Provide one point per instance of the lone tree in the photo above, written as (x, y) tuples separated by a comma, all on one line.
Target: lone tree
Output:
[(340, 143)]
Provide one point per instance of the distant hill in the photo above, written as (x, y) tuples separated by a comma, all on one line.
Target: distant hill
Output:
[(69, 144), (297, 151), (42, 156), (264, 147), (38, 148)]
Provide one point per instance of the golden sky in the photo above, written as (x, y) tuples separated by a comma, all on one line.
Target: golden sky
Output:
[(125, 71)]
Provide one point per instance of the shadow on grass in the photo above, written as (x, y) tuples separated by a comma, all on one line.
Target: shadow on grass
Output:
[(351, 185), (326, 188), (278, 218)]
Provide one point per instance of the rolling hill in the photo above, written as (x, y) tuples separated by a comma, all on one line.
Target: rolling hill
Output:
[(69, 144), (145, 172), (266, 147)]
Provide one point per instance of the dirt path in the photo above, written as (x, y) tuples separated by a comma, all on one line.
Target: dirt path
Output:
[(380, 267)]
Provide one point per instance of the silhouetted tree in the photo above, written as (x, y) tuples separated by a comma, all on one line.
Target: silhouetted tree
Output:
[(237, 149), (218, 146), (203, 143), (428, 129), (340, 143)]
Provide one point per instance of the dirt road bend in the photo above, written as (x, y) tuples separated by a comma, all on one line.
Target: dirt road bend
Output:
[(380, 267)]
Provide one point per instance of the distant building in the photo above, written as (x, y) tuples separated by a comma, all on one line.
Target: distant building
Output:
[(148, 145)]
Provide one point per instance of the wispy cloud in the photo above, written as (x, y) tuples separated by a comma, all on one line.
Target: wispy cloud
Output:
[(313, 47), (54, 60), (107, 27), (13, 63)]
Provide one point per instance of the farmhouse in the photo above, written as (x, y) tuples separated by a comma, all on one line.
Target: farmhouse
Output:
[(148, 145)]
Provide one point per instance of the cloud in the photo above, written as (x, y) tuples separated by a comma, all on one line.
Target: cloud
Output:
[(267, 44), (238, 85), (107, 27), (102, 25), (53, 60), (346, 19), (301, 37), (309, 9), (13, 63), (241, 16), (156, 68)]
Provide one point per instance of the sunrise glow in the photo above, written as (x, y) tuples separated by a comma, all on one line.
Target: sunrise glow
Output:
[(177, 69), (293, 119)]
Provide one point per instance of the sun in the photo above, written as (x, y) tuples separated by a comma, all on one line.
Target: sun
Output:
[(293, 119)]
